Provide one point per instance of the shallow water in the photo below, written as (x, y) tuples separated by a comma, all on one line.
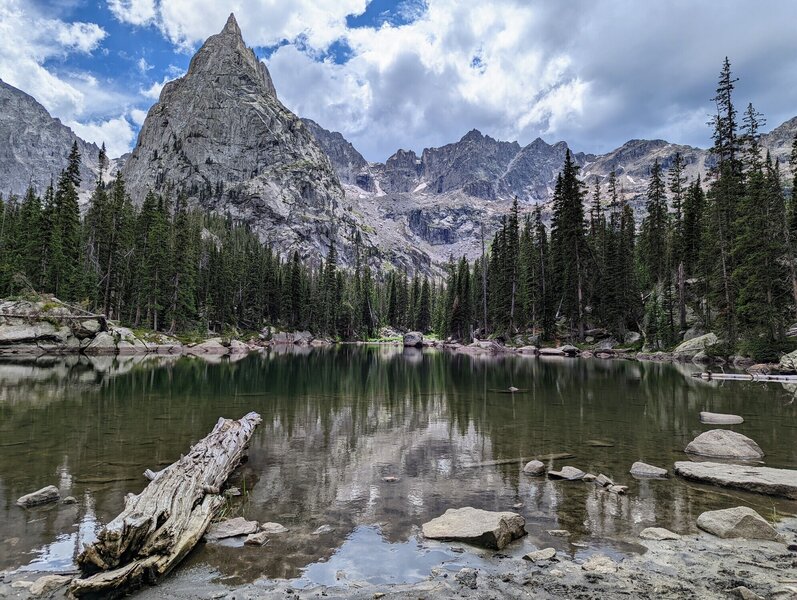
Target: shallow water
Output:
[(337, 421)]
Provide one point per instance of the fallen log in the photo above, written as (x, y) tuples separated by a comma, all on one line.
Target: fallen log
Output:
[(159, 526), (746, 377)]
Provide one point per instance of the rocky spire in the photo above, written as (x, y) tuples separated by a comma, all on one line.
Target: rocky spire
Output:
[(227, 53)]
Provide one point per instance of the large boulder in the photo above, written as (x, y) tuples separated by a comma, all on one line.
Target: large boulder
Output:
[(127, 342), (722, 443), (631, 337), (761, 480), (413, 339), (103, 343), (475, 526), (788, 362), (212, 346), (692, 347), (738, 522)]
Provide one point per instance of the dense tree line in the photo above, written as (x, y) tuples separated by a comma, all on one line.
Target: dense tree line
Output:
[(169, 267), (721, 253)]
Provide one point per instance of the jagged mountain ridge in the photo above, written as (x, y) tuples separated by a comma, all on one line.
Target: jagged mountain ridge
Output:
[(34, 146), (220, 135)]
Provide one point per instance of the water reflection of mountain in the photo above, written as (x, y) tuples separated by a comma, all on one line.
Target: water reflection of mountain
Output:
[(337, 421)]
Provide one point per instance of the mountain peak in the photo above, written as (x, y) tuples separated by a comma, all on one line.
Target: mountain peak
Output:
[(226, 55), (232, 26)]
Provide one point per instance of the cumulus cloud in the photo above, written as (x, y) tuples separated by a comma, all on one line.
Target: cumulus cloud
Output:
[(117, 134), (135, 12)]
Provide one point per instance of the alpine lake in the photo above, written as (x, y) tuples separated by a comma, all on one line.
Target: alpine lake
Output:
[(361, 445)]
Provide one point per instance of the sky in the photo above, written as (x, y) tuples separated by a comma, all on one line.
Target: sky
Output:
[(410, 74)]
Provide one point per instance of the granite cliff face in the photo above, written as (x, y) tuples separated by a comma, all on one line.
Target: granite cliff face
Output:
[(221, 135), (34, 146)]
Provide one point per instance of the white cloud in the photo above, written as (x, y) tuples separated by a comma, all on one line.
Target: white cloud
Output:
[(143, 65), (137, 116), (135, 12), (117, 134)]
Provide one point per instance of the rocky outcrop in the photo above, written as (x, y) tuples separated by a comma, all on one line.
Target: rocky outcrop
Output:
[(722, 443), (475, 526), (34, 147), (220, 135), (788, 362), (760, 480), (738, 522), (349, 164), (690, 348)]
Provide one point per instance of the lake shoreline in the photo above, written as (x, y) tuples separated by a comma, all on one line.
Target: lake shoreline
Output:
[(697, 565)]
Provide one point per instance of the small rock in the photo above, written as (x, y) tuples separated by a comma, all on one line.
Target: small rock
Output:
[(658, 534), (379, 595), (558, 533), (231, 528), (720, 419), (513, 389), (256, 539), (21, 584), (69, 500), (541, 555), (603, 480), (589, 478), (323, 529), (273, 528), (457, 549), (618, 489), (556, 573), (568, 473), (48, 583), (517, 505), (43, 496), (738, 522), (534, 467), (640, 469), (467, 577), (390, 479), (232, 491), (600, 564), (744, 593)]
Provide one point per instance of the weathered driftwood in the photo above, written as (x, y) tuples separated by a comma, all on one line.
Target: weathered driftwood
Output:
[(159, 526)]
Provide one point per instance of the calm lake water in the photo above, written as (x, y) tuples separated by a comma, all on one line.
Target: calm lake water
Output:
[(337, 421)]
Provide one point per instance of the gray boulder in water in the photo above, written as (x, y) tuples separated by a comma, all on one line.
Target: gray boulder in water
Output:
[(722, 443), (475, 526), (43, 496), (738, 522)]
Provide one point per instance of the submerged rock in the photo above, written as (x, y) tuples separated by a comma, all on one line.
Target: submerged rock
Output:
[(738, 522), (640, 469), (534, 467), (43, 496), (658, 534), (475, 526), (720, 419), (761, 480), (722, 443), (568, 473), (256, 539), (235, 527)]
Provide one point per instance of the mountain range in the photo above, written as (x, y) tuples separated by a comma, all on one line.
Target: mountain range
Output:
[(220, 135)]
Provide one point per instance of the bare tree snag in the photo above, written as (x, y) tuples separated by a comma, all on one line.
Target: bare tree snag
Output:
[(159, 526)]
